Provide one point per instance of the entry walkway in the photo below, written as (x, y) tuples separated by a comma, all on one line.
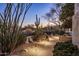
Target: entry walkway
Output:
[(42, 48)]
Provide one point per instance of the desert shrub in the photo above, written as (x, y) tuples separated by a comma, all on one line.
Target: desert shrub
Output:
[(65, 49), (37, 35), (58, 32), (61, 32)]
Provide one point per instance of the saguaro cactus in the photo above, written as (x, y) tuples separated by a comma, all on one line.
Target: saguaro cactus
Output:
[(37, 22)]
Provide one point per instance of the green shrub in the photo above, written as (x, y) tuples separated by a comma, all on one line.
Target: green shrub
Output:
[(37, 34), (65, 49)]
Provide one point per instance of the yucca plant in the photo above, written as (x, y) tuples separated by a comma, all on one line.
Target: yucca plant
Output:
[(11, 21)]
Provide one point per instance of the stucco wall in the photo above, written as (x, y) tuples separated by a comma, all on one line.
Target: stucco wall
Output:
[(75, 26)]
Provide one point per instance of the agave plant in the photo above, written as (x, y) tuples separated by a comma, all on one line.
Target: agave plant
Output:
[(10, 27)]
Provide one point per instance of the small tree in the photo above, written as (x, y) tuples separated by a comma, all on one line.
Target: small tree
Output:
[(66, 15), (54, 14)]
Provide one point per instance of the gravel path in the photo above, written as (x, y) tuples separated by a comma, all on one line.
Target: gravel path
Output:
[(42, 48)]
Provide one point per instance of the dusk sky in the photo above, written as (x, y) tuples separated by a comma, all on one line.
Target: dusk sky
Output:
[(37, 8)]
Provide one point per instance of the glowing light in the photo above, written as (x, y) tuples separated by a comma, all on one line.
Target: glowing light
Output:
[(56, 37), (46, 43)]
